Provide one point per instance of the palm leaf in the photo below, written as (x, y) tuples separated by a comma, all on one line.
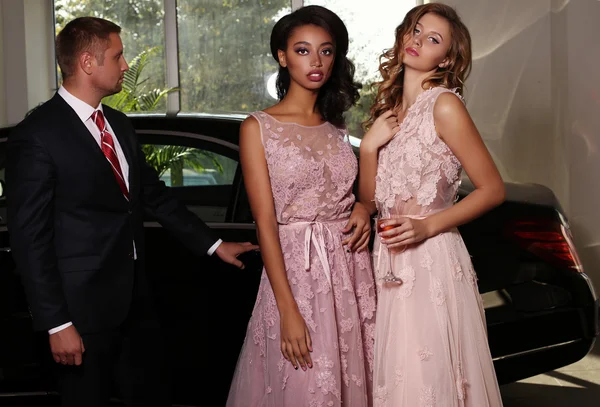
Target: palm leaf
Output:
[(131, 80), (197, 163), (149, 101), (125, 100), (163, 157)]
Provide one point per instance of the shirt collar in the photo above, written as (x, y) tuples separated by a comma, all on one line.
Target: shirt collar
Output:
[(83, 110)]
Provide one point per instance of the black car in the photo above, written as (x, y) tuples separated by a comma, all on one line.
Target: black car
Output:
[(541, 309)]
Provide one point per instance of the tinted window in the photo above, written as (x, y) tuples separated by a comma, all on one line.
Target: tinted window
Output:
[(199, 177), (181, 166)]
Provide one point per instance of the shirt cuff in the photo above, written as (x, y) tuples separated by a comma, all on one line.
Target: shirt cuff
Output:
[(214, 247), (59, 328)]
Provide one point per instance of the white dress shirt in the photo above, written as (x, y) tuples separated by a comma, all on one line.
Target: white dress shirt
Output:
[(85, 111)]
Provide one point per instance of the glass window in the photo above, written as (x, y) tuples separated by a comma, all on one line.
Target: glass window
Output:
[(225, 63), (224, 55), (142, 23), (201, 179), (181, 166), (371, 30)]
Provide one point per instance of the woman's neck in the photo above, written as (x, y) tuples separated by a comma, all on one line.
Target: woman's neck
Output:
[(413, 85), (300, 101)]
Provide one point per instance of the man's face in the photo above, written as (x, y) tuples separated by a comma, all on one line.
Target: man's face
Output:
[(109, 68)]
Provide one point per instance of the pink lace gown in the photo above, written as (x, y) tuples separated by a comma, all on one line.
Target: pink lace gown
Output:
[(312, 171), (430, 339)]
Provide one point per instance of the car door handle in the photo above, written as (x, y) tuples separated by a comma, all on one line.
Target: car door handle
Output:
[(5, 249)]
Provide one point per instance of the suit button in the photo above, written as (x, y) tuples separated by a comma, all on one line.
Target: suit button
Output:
[(131, 255)]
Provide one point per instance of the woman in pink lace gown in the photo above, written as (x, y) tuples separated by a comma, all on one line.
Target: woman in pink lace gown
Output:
[(430, 340), (311, 335)]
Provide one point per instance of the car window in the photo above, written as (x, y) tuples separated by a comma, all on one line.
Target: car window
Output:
[(201, 174), (182, 166)]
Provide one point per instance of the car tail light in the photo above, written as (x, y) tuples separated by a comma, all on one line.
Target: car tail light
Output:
[(549, 239)]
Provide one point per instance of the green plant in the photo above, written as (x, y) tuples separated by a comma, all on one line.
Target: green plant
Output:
[(176, 158), (132, 98)]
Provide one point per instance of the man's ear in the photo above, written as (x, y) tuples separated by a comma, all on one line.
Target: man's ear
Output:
[(86, 62), (281, 57)]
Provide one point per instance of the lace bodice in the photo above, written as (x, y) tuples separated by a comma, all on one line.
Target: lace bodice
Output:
[(312, 170), (417, 173)]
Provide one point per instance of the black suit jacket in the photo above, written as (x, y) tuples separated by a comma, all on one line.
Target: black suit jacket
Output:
[(71, 229)]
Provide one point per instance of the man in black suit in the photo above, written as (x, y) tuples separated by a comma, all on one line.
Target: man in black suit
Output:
[(77, 185)]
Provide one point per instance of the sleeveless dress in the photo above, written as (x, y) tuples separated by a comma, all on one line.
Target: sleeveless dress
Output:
[(431, 346), (312, 172)]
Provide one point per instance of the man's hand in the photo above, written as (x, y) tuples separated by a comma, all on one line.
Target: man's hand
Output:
[(229, 251), (67, 347)]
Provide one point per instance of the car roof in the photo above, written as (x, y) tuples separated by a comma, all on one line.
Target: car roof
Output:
[(222, 126)]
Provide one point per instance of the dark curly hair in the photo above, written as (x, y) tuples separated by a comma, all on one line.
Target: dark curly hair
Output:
[(340, 92)]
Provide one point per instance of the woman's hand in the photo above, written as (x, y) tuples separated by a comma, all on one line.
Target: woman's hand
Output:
[(404, 231), (296, 344), (381, 132), (360, 221)]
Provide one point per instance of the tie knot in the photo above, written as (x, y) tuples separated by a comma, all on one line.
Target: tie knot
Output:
[(98, 118)]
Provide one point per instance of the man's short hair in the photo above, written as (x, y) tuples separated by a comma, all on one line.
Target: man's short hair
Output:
[(83, 34)]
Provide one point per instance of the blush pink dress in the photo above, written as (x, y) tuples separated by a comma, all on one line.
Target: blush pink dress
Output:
[(312, 172), (431, 347)]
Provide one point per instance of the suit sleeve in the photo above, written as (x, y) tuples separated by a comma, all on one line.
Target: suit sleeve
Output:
[(30, 182), (159, 202)]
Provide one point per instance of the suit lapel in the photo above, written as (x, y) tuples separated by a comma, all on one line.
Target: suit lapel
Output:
[(75, 126)]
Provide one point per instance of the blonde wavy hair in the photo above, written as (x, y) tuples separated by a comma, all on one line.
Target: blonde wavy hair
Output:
[(389, 93)]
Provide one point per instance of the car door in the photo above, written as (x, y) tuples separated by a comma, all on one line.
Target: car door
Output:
[(23, 354), (204, 304)]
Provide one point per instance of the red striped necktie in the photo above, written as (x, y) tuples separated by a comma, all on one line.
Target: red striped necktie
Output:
[(108, 148)]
